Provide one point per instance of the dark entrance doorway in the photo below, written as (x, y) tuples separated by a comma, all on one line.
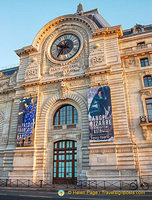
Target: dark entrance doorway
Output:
[(65, 162)]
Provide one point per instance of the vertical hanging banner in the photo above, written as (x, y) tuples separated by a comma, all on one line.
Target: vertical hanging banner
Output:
[(100, 114), (26, 122)]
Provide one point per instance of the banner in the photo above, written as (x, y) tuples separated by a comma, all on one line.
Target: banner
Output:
[(26, 122), (100, 114)]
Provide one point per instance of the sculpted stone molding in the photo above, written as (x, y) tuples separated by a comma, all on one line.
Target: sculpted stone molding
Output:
[(96, 56), (75, 97), (97, 60), (148, 93), (12, 80), (33, 71), (7, 82), (63, 90), (1, 122), (4, 83), (131, 62)]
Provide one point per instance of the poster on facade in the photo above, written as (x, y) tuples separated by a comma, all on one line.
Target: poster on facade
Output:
[(26, 122), (100, 114)]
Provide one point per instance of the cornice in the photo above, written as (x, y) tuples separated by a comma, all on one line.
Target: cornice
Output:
[(108, 30), (7, 90), (135, 37), (146, 89), (26, 50), (136, 52), (141, 69), (92, 72), (45, 82)]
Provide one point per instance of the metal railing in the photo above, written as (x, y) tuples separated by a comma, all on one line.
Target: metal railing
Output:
[(79, 184)]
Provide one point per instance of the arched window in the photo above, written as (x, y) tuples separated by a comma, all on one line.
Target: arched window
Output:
[(148, 81), (66, 114)]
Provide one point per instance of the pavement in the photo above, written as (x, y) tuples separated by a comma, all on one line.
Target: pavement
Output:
[(16, 193)]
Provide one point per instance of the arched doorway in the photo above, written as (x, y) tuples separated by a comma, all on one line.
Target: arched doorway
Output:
[(65, 162)]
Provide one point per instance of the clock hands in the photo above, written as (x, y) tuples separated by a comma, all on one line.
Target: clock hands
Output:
[(63, 46), (60, 51)]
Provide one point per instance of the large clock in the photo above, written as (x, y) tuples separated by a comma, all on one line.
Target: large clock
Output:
[(65, 47)]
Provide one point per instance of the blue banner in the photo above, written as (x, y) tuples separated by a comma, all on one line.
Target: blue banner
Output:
[(26, 121), (100, 114)]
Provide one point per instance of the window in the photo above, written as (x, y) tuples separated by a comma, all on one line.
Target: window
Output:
[(149, 108), (67, 114), (141, 45), (148, 81), (144, 62)]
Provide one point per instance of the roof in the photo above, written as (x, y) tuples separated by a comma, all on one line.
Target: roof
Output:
[(9, 71), (95, 16), (137, 29)]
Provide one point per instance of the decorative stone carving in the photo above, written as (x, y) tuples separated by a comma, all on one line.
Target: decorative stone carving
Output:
[(148, 93), (130, 62), (96, 55), (32, 71), (12, 80), (63, 90), (1, 123), (4, 139), (97, 60), (80, 9), (4, 83)]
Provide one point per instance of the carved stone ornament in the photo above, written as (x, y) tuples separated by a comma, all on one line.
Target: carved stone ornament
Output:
[(12, 80), (4, 139), (79, 9), (1, 122), (97, 60), (63, 90), (148, 93), (4, 83), (131, 62), (96, 56), (32, 71)]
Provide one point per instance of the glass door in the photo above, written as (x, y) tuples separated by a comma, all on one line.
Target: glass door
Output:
[(65, 162)]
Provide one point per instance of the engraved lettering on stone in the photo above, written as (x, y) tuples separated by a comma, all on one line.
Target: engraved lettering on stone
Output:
[(97, 60), (32, 71)]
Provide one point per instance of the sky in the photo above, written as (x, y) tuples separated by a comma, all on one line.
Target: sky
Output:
[(21, 20)]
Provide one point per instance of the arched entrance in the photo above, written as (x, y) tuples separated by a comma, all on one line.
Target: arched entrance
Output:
[(65, 162)]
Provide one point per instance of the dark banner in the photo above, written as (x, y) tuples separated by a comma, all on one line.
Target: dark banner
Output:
[(26, 122), (100, 114)]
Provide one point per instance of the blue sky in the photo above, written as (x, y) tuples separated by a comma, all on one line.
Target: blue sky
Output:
[(20, 20)]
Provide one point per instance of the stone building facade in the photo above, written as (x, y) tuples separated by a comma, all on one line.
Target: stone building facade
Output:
[(68, 56)]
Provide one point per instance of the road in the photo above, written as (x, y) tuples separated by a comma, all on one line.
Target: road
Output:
[(73, 195)]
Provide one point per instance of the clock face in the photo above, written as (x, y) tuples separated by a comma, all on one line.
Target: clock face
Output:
[(65, 47)]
